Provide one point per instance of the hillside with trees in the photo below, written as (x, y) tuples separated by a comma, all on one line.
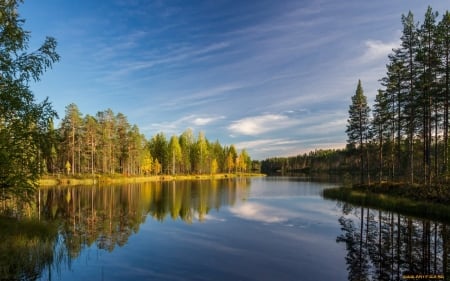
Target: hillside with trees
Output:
[(406, 136)]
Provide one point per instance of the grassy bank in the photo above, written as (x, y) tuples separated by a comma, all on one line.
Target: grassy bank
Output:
[(408, 200), (118, 179)]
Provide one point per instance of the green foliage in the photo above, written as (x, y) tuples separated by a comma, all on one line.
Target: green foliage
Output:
[(158, 146), (413, 110), (329, 161), (358, 126), (358, 121), (107, 144), (24, 123)]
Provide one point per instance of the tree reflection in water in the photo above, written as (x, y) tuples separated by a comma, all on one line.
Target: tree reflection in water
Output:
[(66, 220), (382, 245)]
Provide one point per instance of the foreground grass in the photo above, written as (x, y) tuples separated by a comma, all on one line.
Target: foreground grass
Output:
[(113, 179), (26, 248), (12, 227), (410, 200)]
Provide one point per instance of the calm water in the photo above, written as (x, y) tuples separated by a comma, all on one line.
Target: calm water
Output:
[(249, 229)]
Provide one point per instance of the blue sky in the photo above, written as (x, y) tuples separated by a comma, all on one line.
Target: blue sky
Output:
[(274, 77)]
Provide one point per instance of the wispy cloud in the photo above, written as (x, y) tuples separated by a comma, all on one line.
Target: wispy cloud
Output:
[(290, 147), (266, 134), (201, 121), (376, 49), (172, 57), (181, 124), (192, 97), (278, 144), (257, 125)]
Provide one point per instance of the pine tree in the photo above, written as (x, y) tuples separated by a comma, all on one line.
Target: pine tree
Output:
[(396, 99), (90, 135), (427, 98), (444, 72), (122, 141), (380, 127), (71, 132), (358, 125), (407, 55)]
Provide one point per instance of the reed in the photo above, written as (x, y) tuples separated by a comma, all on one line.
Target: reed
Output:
[(393, 201)]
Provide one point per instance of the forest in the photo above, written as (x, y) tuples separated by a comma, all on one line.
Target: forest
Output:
[(108, 144), (404, 136)]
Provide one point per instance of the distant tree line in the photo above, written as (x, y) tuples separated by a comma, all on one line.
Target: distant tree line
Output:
[(108, 144), (320, 161), (405, 135)]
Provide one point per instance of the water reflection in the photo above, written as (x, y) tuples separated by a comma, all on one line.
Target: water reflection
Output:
[(64, 221), (26, 248), (382, 245)]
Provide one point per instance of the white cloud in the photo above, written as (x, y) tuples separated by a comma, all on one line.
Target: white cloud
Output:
[(376, 49), (257, 125), (201, 121), (307, 131)]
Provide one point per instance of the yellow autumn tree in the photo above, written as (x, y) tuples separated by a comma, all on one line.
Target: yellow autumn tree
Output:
[(214, 166), (147, 163)]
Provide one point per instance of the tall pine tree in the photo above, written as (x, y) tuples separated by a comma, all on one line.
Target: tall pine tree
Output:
[(358, 125), (380, 126)]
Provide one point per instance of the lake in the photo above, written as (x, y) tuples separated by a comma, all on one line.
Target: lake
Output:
[(273, 228)]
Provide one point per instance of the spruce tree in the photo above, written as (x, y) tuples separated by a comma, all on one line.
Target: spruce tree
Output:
[(358, 125)]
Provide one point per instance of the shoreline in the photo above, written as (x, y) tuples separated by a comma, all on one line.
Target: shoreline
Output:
[(49, 181), (397, 200)]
